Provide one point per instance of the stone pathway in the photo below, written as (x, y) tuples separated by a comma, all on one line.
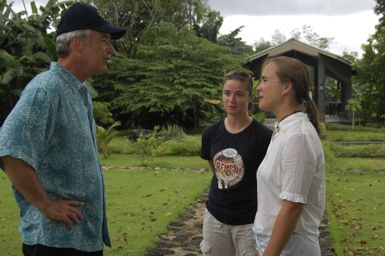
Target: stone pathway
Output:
[(185, 235)]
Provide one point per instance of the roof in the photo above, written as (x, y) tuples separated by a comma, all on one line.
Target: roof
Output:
[(294, 44)]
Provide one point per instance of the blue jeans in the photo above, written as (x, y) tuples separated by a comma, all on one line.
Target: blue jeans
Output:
[(298, 245)]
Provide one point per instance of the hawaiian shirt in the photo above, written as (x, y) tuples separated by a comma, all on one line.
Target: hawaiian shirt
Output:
[(52, 129)]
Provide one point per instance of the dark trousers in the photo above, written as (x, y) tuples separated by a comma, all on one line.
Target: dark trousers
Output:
[(41, 250)]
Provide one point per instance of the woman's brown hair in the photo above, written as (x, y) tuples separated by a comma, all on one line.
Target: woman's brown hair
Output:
[(296, 72)]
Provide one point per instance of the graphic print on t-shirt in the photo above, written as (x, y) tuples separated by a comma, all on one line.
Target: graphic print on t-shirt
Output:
[(229, 168)]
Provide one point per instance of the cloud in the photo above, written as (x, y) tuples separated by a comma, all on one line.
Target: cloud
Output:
[(290, 7)]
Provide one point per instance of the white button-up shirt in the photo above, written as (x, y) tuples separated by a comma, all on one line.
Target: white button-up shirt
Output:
[(292, 170)]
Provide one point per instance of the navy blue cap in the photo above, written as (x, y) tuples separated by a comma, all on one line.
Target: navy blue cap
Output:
[(83, 16)]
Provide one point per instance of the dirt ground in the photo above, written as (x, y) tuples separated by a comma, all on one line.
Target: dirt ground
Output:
[(185, 235)]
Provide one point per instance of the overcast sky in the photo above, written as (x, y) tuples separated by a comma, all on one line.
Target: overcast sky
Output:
[(349, 22)]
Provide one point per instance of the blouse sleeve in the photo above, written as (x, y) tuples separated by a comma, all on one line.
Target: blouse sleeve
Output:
[(298, 163)]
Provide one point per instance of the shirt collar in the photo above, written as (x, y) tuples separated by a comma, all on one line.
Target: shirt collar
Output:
[(68, 77), (285, 123)]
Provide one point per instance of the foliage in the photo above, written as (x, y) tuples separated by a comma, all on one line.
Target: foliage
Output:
[(356, 136), (344, 127), (305, 34), (122, 145), (260, 116), (105, 136), (310, 37), (262, 44), (145, 146), (158, 145), (186, 146), (171, 132), (26, 48), (167, 83), (139, 17), (371, 79), (102, 113), (379, 9), (236, 45), (210, 26)]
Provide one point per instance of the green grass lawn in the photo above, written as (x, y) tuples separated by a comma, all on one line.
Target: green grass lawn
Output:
[(157, 161), (355, 191), (359, 164), (352, 135), (356, 210), (140, 205)]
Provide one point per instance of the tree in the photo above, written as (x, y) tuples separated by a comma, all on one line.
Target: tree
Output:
[(308, 36), (167, 83), (236, 45), (379, 9), (104, 138), (262, 44), (26, 50), (371, 77), (305, 34), (139, 16), (210, 27)]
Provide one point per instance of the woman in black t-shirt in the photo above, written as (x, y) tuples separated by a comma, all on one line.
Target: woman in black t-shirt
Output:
[(234, 147)]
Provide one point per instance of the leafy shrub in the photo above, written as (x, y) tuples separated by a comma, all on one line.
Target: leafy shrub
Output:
[(171, 132), (340, 135), (145, 146), (122, 145), (186, 146)]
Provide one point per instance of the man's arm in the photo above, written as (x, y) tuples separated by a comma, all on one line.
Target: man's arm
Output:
[(24, 178)]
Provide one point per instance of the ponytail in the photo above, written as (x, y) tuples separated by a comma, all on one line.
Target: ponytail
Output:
[(313, 114)]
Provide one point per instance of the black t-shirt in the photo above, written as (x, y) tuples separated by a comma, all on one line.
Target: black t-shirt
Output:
[(236, 158)]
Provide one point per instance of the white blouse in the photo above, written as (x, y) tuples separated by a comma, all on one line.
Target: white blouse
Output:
[(293, 170)]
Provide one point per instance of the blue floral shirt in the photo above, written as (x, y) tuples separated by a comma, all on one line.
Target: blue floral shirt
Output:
[(52, 129)]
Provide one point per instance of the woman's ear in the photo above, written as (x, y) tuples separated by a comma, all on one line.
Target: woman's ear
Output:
[(288, 88)]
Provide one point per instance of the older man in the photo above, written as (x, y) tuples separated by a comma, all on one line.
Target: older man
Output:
[(48, 144)]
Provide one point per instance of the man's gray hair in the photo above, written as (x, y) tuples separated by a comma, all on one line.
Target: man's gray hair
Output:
[(63, 41)]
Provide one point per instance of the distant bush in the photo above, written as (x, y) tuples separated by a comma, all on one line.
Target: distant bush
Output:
[(348, 127), (340, 135), (171, 132), (372, 150), (187, 146), (122, 145)]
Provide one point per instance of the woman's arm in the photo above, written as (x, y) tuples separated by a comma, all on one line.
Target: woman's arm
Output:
[(284, 227)]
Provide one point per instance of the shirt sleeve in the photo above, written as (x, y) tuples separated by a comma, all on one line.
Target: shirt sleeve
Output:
[(28, 127), (205, 145), (299, 161)]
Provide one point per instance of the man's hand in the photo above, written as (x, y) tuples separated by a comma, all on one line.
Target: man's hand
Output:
[(24, 178), (63, 210), (256, 253)]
